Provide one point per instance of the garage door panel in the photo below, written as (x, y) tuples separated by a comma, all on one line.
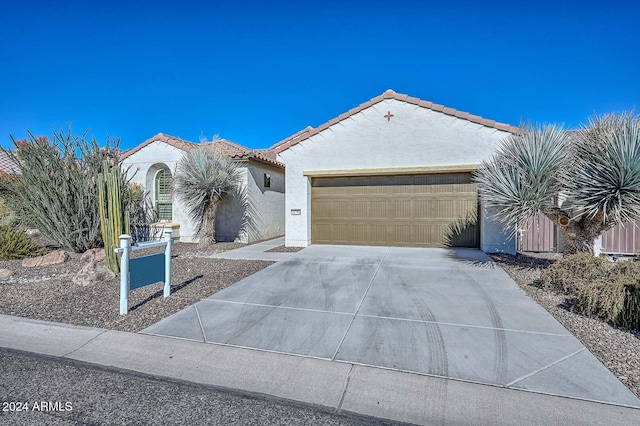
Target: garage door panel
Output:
[(407, 210), (402, 209)]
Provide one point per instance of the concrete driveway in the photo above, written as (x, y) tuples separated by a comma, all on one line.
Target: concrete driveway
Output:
[(445, 313)]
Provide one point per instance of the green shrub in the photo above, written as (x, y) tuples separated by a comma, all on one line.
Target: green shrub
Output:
[(15, 244), (570, 273)]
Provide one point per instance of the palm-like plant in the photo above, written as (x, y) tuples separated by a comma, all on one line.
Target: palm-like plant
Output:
[(586, 181), (203, 179)]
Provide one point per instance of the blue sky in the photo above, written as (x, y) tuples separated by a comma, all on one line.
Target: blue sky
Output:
[(257, 72)]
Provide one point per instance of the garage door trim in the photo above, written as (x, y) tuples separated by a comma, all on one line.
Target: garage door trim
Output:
[(464, 168)]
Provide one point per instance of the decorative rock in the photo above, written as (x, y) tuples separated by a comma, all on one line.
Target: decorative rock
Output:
[(93, 255), (5, 273), (32, 232), (93, 272), (52, 258)]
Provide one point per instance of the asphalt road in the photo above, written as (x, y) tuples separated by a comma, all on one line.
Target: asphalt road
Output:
[(55, 391)]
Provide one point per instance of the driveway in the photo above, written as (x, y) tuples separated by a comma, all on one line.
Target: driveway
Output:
[(446, 313)]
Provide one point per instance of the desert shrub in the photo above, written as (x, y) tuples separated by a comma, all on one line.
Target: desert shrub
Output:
[(59, 186), (614, 298), (571, 272), (602, 289), (15, 244)]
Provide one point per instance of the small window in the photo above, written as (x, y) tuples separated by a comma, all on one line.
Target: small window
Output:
[(267, 180), (163, 194)]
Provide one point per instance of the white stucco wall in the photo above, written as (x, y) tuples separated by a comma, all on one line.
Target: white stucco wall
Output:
[(141, 164), (268, 203), (414, 137)]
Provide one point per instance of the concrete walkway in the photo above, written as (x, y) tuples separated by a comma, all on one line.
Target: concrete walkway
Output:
[(256, 251)]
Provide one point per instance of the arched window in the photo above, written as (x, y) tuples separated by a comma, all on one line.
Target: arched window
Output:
[(163, 193)]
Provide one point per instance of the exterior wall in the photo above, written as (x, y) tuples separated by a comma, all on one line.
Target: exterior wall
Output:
[(493, 237), (414, 137), (265, 207), (142, 166), (267, 203), (229, 216)]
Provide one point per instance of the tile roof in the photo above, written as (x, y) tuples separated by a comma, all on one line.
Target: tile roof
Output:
[(223, 146), (7, 165), (238, 151), (389, 94)]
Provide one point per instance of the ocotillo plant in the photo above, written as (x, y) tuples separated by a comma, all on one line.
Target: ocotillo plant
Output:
[(114, 219)]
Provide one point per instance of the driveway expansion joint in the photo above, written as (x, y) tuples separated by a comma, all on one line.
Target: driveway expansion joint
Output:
[(533, 373), (335, 354), (204, 336), (275, 306)]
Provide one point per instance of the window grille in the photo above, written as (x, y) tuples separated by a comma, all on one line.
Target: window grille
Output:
[(163, 194)]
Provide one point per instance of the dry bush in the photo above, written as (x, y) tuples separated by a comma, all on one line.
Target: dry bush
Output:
[(572, 272), (602, 289), (614, 298)]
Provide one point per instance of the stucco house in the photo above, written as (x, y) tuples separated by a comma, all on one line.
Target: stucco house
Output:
[(153, 163), (395, 170)]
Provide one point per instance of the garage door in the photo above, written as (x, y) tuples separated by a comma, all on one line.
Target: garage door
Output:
[(431, 210)]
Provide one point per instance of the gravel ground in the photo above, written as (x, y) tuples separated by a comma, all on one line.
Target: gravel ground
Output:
[(617, 348), (47, 293)]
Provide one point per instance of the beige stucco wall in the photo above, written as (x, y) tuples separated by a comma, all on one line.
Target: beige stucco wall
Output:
[(414, 137)]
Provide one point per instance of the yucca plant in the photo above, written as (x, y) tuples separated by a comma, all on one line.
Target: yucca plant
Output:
[(586, 181), (204, 178)]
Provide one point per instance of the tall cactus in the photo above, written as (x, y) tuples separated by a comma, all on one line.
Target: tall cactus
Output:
[(114, 219)]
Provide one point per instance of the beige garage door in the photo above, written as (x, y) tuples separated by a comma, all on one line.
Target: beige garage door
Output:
[(432, 210)]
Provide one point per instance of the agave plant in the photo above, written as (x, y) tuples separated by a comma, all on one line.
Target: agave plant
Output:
[(586, 181), (203, 179)]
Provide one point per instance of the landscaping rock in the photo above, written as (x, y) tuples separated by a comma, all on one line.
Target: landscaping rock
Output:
[(32, 232), (52, 258), (5, 273), (93, 255), (93, 272)]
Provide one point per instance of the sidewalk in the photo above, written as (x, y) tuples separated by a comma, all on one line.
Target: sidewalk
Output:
[(344, 387), (256, 251)]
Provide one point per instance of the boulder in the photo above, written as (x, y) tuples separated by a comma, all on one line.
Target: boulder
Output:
[(52, 258), (93, 272), (93, 255), (5, 273)]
